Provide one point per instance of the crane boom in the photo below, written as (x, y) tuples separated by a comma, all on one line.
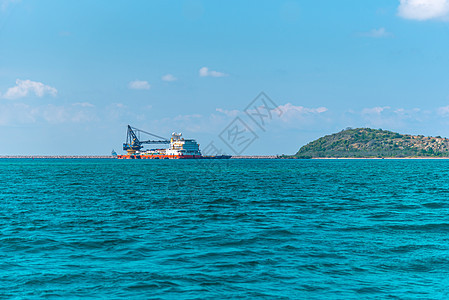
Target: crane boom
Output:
[(133, 143)]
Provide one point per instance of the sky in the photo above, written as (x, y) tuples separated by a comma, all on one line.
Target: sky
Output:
[(248, 77)]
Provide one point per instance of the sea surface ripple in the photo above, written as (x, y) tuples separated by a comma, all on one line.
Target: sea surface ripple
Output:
[(201, 229)]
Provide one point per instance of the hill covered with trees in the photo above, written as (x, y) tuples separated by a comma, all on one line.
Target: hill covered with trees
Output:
[(367, 142)]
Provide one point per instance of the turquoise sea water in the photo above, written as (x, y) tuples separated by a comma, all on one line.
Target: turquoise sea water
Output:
[(304, 229)]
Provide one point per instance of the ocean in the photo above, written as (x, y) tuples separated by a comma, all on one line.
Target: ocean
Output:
[(201, 229)]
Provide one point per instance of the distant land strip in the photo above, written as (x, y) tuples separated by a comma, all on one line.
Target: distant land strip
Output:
[(55, 156)]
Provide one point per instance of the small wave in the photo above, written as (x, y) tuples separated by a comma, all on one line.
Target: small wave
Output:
[(150, 286), (434, 205), (357, 228), (277, 232), (414, 247), (407, 206), (422, 227), (369, 290)]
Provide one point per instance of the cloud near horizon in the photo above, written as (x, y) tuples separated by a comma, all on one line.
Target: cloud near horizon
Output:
[(443, 111), (377, 33), (390, 118), (83, 104), (139, 85), (229, 113), (14, 113), (169, 78), (375, 110), (24, 88), (280, 116), (422, 10), (4, 4), (205, 72), (286, 108)]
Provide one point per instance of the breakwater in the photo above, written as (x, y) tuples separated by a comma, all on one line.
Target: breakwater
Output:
[(56, 156), (110, 156), (255, 157)]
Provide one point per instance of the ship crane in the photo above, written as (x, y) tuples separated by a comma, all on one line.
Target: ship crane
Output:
[(133, 142)]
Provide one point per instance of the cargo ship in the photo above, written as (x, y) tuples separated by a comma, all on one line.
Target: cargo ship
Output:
[(179, 148)]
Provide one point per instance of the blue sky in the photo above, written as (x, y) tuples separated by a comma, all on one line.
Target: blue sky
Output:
[(73, 74)]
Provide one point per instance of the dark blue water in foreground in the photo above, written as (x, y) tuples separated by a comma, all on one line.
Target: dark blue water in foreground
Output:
[(341, 229)]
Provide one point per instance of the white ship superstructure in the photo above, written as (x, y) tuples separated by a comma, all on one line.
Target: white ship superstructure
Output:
[(182, 147)]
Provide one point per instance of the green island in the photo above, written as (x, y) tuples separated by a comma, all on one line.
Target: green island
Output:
[(374, 143)]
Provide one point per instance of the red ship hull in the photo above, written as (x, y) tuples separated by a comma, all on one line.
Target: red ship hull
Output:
[(158, 156)]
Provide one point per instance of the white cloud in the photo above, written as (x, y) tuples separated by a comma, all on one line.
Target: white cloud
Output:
[(294, 116), (424, 9), (169, 77), (285, 114), (139, 85), (290, 108), (13, 113), (61, 114), (83, 104), (374, 110), (187, 117), (377, 33), (25, 87), (205, 72), (443, 111), (5, 3), (408, 113), (391, 118), (229, 113)]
